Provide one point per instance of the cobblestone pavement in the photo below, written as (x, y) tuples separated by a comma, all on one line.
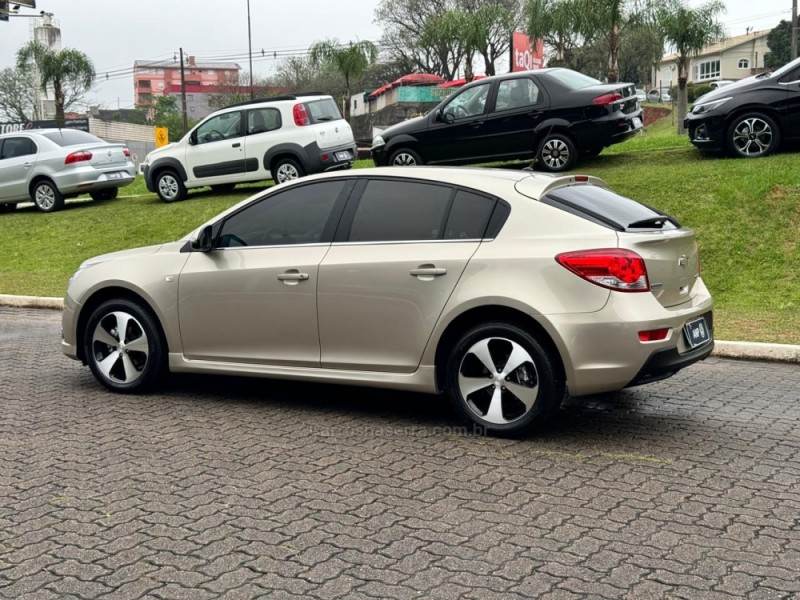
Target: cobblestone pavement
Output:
[(224, 487)]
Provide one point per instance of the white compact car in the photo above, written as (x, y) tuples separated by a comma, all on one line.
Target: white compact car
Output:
[(280, 138)]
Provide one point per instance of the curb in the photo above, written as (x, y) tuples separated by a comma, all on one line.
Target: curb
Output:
[(788, 353)]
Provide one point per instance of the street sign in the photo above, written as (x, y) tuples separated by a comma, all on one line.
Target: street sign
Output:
[(162, 137)]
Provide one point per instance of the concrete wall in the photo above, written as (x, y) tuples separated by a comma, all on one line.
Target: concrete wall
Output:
[(140, 139), (366, 126)]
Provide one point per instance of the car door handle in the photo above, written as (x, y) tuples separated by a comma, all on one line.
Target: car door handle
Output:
[(476, 124), (27, 165), (428, 272), (293, 276), (236, 145), (535, 113)]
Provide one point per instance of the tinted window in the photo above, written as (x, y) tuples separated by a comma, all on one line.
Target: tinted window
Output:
[(13, 147), (469, 103), (295, 216), (607, 208), (263, 119), (323, 110), (72, 137), (400, 210), (572, 79), (221, 127), (468, 217), (516, 93)]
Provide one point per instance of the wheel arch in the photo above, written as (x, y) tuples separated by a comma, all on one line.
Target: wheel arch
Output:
[(37, 179), (545, 128), (280, 151), (486, 313), (166, 163), (404, 141)]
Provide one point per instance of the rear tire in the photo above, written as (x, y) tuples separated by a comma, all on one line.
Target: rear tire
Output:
[(556, 153), (128, 361), (752, 135), (46, 197), (405, 157), (492, 400), (169, 186), (287, 169), (223, 188), (106, 194)]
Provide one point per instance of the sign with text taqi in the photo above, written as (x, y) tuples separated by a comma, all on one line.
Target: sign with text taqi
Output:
[(526, 55)]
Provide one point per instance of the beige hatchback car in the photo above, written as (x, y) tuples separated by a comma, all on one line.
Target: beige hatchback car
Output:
[(501, 288)]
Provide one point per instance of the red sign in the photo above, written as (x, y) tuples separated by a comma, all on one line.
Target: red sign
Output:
[(524, 55)]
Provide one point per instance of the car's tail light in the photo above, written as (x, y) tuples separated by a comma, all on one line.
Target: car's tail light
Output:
[(300, 115), (126, 152), (80, 156), (608, 99), (653, 335), (612, 268)]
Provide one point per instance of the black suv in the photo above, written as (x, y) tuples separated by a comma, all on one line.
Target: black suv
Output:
[(751, 117), (553, 115)]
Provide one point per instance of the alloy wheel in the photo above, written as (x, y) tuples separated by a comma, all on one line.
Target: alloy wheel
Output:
[(752, 137), (45, 197), (168, 187), (555, 153), (498, 380), (404, 159), (287, 172), (120, 347)]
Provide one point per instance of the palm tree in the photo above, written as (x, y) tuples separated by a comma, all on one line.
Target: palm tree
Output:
[(556, 22), (351, 60), (688, 31), (58, 69)]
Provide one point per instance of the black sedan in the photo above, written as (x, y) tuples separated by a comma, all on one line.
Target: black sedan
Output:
[(751, 117), (552, 115)]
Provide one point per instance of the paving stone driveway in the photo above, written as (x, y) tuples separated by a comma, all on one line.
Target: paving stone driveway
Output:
[(250, 488)]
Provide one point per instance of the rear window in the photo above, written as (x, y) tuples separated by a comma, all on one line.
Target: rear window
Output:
[(606, 208), (572, 79), (323, 110), (72, 137)]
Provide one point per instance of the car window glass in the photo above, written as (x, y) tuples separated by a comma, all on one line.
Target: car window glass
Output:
[(221, 127), (791, 76), (263, 119), (14, 147), (516, 93), (468, 217), (469, 103), (72, 137), (294, 216), (400, 210), (323, 110)]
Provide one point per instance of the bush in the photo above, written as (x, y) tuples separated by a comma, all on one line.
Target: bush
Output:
[(694, 91)]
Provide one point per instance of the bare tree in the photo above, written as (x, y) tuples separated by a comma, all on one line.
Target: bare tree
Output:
[(17, 97)]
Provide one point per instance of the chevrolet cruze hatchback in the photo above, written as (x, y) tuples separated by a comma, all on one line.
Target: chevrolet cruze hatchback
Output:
[(500, 288)]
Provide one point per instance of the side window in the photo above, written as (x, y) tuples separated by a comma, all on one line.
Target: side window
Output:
[(263, 119), (295, 216), (516, 93), (468, 217), (791, 76), (392, 211), (469, 103), (221, 127), (14, 147)]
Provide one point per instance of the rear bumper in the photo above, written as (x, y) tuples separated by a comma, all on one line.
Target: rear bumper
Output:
[(668, 361), (319, 160), (83, 180), (608, 130)]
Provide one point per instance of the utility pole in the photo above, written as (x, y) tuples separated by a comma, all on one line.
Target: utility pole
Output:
[(183, 96), (250, 49), (794, 29)]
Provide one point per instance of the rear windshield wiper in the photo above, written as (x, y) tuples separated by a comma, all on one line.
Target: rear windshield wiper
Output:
[(324, 118), (651, 222)]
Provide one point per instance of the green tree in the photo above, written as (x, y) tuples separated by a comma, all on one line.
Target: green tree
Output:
[(351, 60), (607, 20), (688, 31), (779, 41), (17, 100), (166, 114), (558, 23), (64, 70)]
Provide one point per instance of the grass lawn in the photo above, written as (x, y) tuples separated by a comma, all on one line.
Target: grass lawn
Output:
[(746, 214)]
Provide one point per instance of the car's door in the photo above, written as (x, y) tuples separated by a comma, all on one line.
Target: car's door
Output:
[(216, 152), (17, 158), (397, 257), (791, 83), (458, 132), (519, 106), (253, 299), (263, 128)]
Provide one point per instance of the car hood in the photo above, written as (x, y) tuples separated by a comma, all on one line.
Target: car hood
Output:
[(161, 150), (121, 254), (743, 85), (410, 126)]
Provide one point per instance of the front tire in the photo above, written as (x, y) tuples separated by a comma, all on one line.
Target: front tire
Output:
[(556, 153), (46, 197), (106, 194), (405, 157), (124, 347), (501, 380), (287, 169), (753, 135), (169, 186)]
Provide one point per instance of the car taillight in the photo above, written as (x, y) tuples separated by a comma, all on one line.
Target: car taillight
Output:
[(300, 115), (607, 99), (79, 156), (126, 152), (612, 268)]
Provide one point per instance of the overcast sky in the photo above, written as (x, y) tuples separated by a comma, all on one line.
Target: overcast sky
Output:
[(115, 33)]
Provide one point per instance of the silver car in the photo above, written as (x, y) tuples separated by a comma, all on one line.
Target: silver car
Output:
[(501, 288), (47, 166)]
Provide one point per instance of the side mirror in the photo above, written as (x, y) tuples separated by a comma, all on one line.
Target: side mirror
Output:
[(449, 118), (437, 116), (203, 241), (193, 138)]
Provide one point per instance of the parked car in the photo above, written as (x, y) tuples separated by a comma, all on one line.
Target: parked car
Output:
[(498, 287), (46, 166), (655, 95), (641, 95), (280, 138), (751, 117), (552, 115)]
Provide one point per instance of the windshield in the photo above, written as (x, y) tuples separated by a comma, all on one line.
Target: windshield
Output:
[(786, 68), (572, 79)]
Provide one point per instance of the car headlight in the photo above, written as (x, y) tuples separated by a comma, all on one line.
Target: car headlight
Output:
[(378, 141), (699, 109)]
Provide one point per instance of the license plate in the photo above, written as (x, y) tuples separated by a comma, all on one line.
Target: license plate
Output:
[(637, 123), (344, 155), (115, 175), (697, 332)]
